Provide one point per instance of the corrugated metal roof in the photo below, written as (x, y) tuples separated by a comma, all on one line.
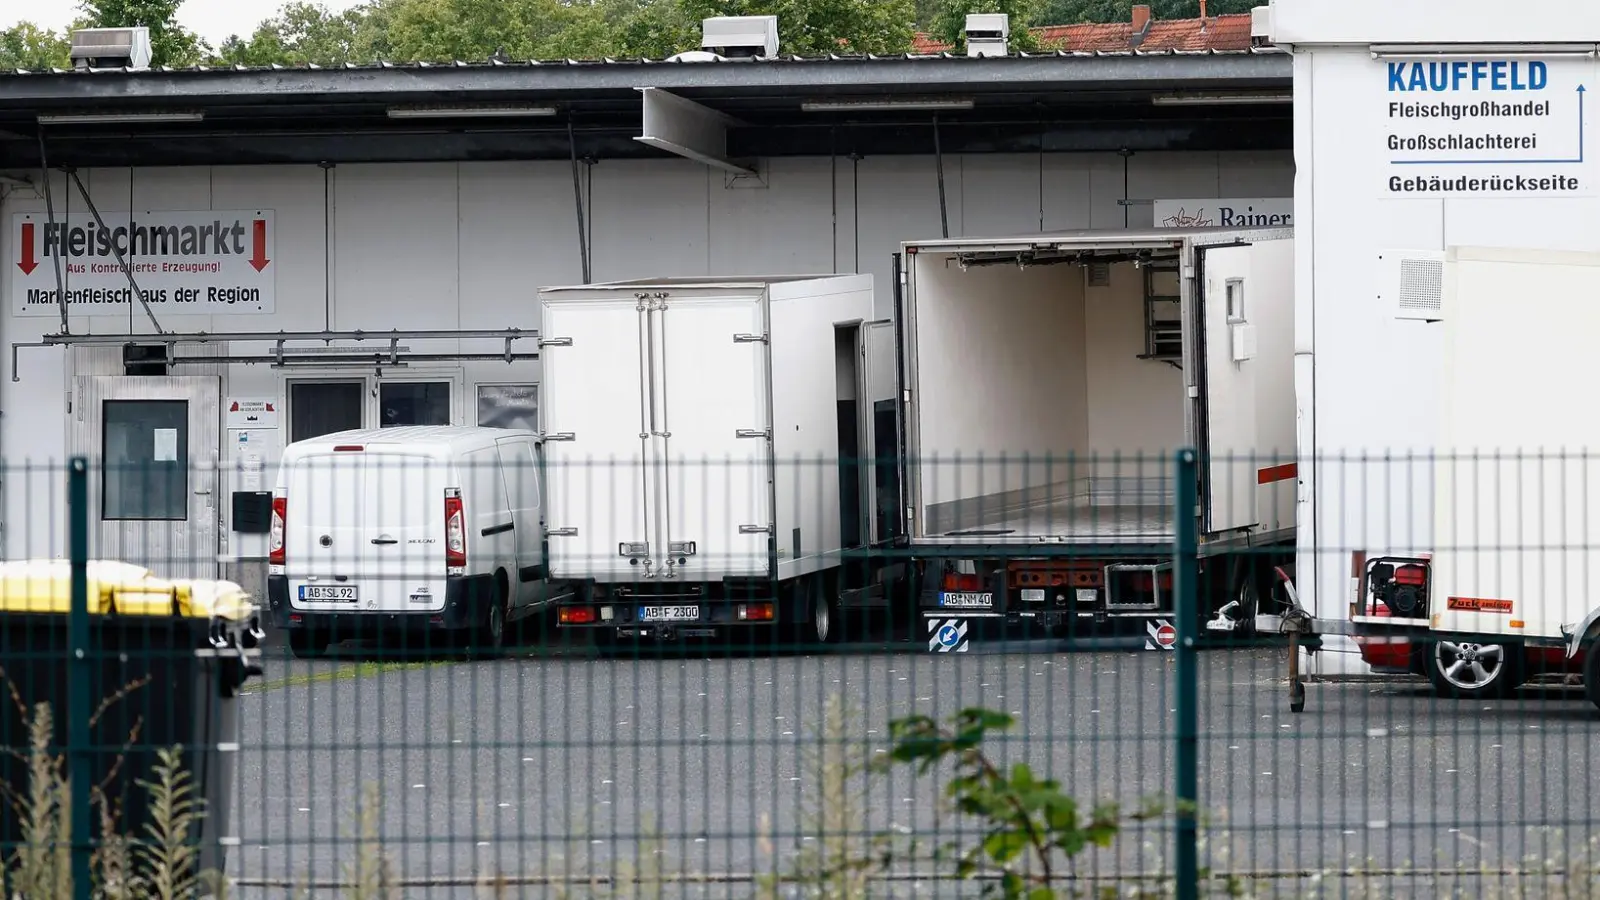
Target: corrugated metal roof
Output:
[(1098, 53)]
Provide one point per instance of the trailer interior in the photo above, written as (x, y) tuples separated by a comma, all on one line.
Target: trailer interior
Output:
[(1074, 356)]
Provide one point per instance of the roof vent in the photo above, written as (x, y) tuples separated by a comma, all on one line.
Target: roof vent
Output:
[(1261, 25), (111, 48), (987, 34), (740, 35)]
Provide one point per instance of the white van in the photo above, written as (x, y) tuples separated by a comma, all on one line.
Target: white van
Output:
[(420, 529)]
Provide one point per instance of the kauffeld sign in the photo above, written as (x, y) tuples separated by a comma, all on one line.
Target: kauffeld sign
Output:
[(190, 262)]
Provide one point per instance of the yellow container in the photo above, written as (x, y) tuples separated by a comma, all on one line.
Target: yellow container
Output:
[(119, 588)]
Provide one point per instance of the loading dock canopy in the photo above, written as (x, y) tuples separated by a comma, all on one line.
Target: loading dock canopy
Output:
[(723, 112)]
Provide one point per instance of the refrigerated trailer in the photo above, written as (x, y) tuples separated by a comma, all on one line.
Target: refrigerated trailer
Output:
[(1049, 380), (706, 448), (1481, 550)]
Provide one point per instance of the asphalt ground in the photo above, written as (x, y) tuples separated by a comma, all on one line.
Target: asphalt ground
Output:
[(554, 767)]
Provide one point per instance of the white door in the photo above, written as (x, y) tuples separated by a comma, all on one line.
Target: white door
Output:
[(881, 432), (1228, 395), (596, 422), (153, 443), (709, 426), (520, 469)]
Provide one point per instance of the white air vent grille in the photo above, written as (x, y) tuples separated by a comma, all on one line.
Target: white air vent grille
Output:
[(1100, 275), (1422, 284), (1411, 282)]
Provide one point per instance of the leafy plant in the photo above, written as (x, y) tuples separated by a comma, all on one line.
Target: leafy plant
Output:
[(1032, 830)]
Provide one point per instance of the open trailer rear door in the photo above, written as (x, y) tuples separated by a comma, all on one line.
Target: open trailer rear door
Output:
[(1227, 398)]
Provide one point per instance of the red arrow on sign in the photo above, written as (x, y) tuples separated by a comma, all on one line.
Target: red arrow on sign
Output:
[(29, 261), (258, 245)]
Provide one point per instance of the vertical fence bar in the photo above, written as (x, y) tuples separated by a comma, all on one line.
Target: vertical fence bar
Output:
[(80, 671), (1186, 609)]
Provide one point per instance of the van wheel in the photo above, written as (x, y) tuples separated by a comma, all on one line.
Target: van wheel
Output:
[(491, 636), (1591, 672), (308, 643)]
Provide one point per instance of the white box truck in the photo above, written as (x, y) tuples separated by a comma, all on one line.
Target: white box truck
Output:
[(706, 445), (1049, 380), (1500, 587)]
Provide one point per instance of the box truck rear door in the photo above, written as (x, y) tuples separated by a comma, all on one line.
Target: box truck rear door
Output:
[(713, 433), (596, 421), (1226, 352)]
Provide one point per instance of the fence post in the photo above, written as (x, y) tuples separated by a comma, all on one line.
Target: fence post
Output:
[(1186, 609), (80, 672)]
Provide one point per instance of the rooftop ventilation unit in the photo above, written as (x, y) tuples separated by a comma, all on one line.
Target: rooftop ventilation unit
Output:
[(111, 48), (1260, 26), (733, 36), (987, 34)]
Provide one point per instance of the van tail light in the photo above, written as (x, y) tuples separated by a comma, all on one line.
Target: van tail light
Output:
[(280, 515), (455, 532)]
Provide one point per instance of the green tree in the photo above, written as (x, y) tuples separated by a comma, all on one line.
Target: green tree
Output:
[(824, 26), (27, 46), (304, 33), (950, 21), (170, 43)]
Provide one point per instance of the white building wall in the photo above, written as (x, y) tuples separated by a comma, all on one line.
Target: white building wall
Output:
[(466, 245)]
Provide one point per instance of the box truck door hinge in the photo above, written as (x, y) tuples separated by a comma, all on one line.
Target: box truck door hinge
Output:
[(561, 532), (905, 396), (755, 529), (555, 342), (754, 433), (749, 339), (558, 436)]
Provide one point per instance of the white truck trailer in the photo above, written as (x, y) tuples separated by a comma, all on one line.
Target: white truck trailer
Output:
[(706, 445), (1511, 490), (1048, 381)]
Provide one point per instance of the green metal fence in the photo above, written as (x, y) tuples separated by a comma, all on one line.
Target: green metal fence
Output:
[(1028, 755)]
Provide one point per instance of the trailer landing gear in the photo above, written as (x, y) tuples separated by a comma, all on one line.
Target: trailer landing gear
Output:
[(1296, 622)]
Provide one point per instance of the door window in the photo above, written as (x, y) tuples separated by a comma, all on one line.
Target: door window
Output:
[(413, 403), (145, 460), (317, 408)]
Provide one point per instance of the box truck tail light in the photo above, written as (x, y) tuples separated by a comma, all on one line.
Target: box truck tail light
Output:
[(280, 515), (455, 533), (957, 582)]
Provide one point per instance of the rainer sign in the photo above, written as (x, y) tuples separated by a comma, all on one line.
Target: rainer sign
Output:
[(204, 262)]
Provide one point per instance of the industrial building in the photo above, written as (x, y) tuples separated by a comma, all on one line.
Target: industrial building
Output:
[(278, 224)]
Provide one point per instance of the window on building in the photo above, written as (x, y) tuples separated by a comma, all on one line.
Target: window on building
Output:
[(317, 408), (509, 406), (144, 472), (413, 403)]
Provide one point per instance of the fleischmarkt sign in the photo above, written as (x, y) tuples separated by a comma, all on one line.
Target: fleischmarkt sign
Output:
[(200, 262), (1487, 127)]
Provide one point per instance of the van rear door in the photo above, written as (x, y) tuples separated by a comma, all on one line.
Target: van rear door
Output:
[(324, 530), (402, 531)]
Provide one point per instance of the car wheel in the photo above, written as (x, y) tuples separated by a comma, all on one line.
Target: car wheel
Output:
[(491, 636), (1469, 670), (308, 643), (1591, 672)]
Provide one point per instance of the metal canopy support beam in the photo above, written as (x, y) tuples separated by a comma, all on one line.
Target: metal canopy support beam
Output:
[(391, 355), (687, 129), (122, 262)]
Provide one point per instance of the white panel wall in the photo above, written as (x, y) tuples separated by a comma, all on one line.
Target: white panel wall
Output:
[(466, 245), (1136, 406)]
